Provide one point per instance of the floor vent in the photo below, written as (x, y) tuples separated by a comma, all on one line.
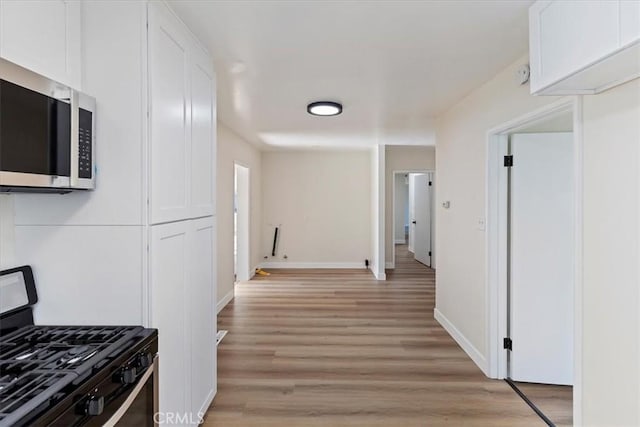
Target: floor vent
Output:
[(220, 335)]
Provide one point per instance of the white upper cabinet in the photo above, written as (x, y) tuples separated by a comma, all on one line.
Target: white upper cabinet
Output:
[(203, 153), (43, 36), (170, 116), (182, 108), (629, 21), (583, 47)]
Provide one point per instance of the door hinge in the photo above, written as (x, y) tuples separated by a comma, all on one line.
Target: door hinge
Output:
[(507, 344), (508, 161), (429, 253), (430, 183)]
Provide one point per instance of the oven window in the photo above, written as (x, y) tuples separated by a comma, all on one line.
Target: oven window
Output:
[(34, 132)]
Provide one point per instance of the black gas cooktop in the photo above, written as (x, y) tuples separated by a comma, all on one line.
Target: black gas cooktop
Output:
[(66, 375), (41, 365)]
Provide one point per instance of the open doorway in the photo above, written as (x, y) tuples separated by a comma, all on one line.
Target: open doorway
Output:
[(533, 232), (241, 223), (413, 213)]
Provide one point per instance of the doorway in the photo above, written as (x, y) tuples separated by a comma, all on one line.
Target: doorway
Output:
[(413, 213), (533, 227), (241, 198)]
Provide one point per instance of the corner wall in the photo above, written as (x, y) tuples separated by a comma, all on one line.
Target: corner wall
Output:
[(378, 163), (231, 149)]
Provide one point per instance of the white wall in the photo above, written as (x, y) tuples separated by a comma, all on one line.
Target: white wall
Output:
[(378, 159), (461, 165), (321, 199), (401, 206), (402, 158), (231, 149), (7, 232), (87, 246), (611, 339), (611, 303)]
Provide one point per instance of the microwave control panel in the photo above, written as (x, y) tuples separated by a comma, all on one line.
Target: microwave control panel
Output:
[(85, 154)]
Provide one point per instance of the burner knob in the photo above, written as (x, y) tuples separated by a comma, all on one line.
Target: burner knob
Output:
[(127, 375), (144, 360), (93, 406)]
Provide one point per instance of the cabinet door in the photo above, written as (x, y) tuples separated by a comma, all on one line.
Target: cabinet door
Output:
[(203, 329), (629, 21), (203, 138), (170, 133), (567, 36), (169, 278), (43, 36)]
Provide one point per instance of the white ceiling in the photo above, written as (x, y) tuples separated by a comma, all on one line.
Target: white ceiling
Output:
[(394, 65)]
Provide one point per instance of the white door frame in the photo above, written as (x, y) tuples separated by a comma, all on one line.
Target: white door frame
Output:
[(243, 261), (497, 234), (393, 209)]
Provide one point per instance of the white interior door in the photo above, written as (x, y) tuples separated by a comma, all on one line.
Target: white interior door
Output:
[(412, 211), (422, 219), (542, 261)]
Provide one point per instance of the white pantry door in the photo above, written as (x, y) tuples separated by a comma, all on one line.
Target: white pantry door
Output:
[(542, 260), (422, 219)]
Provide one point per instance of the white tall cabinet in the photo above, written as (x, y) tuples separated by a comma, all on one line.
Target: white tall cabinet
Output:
[(182, 272), (140, 249), (182, 225)]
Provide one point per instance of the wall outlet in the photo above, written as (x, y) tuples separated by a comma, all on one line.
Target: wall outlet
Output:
[(481, 224)]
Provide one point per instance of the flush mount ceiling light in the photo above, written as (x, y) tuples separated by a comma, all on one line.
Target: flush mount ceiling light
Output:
[(324, 108)]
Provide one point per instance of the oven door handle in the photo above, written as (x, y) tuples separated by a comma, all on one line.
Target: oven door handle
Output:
[(111, 422)]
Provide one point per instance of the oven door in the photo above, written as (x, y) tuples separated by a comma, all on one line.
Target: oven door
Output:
[(138, 408), (110, 403)]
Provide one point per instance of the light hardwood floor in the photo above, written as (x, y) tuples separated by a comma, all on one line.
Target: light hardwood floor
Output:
[(555, 401), (336, 348)]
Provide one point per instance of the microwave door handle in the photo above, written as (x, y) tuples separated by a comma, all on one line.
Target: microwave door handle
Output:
[(75, 140)]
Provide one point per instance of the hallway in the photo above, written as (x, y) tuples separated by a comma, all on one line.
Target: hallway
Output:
[(336, 348)]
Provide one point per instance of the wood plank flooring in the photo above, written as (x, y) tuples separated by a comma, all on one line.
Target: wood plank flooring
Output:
[(336, 348), (555, 401)]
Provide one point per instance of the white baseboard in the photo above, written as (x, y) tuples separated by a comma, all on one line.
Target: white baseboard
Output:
[(312, 265), (400, 241), (381, 276), (220, 335), (462, 341), (389, 264), (207, 403), (225, 300)]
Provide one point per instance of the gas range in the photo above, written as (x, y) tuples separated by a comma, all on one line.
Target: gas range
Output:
[(72, 375)]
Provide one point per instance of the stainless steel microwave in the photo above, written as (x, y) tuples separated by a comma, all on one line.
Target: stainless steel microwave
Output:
[(47, 134)]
